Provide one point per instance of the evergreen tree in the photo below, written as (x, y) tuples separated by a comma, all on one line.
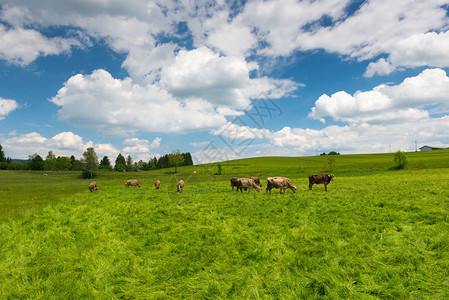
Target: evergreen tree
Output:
[(2, 155), (105, 164), (129, 164), (163, 162), (152, 163), (50, 162), (120, 160), (188, 159), (35, 162), (90, 163), (73, 162)]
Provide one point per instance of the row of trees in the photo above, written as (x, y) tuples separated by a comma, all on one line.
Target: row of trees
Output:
[(122, 164), (174, 159)]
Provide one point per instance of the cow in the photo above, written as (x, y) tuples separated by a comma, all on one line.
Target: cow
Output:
[(281, 183), (247, 184), (93, 187), (133, 183), (180, 186), (157, 184), (234, 183), (320, 178), (256, 180)]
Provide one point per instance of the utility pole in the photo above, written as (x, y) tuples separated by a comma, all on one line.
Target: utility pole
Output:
[(416, 147)]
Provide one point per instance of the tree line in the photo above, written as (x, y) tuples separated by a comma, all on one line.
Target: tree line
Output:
[(89, 162)]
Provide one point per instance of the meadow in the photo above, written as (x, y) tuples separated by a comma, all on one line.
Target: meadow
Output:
[(378, 233)]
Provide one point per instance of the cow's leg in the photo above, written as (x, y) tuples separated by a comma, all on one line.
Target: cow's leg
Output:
[(310, 186), (325, 187)]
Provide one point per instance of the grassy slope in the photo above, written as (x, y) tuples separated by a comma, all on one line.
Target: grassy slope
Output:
[(374, 234)]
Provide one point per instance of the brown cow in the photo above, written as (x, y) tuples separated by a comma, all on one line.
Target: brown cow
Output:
[(256, 180), (180, 186), (281, 183), (157, 184), (234, 183), (320, 178), (93, 187), (133, 182), (247, 183)]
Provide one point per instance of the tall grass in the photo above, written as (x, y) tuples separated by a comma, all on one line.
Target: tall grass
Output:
[(384, 235)]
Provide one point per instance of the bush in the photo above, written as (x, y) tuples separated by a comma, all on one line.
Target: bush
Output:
[(400, 159), (87, 174)]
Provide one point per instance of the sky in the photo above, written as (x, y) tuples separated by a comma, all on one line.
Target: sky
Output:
[(222, 79)]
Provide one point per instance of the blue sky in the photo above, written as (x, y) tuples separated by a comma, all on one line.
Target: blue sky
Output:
[(222, 79)]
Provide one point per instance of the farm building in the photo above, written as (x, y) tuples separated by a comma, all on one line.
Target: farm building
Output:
[(428, 148)]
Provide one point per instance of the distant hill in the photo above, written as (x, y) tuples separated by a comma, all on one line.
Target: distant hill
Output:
[(19, 160)]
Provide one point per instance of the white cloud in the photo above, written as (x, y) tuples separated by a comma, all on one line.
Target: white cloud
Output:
[(140, 149), (22, 46), (406, 101), (422, 49), (68, 140), (7, 106), (353, 138), (201, 73), (117, 107), (68, 143)]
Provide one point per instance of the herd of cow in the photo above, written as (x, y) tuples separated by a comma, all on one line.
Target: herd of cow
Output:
[(281, 183)]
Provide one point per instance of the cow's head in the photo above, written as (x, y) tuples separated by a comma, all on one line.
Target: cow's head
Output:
[(331, 176)]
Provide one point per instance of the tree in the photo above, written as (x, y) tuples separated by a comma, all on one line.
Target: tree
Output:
[(188, 161), (50, 162), (35, 162), (105, 164), (2, 155), (90, 163), (152, 163), (63, 163), (400, 159), (120, 160), (129, 164), (176, 159), (119, 167)]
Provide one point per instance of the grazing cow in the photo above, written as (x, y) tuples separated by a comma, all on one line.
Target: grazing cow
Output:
[(247, 183), (93, 187), (133, 183), (281, 183), (180, 186), (320, 178), (234, 183), (256, 180), (157, 184)]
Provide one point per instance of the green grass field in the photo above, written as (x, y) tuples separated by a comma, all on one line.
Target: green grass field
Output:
[(376, 234)]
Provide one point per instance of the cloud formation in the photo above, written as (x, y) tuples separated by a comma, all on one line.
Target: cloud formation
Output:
[(68, 143), (7, 106), (404, 102)]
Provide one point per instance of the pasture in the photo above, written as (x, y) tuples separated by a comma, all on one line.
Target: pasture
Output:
[(376, 233)]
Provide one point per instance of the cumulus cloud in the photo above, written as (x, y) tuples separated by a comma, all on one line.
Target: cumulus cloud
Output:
[(204, 74), (141, 149), (422, 49), (353, 138), (68, 143), (22, 46), (100, 102), (406, 101), (7, 106)]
